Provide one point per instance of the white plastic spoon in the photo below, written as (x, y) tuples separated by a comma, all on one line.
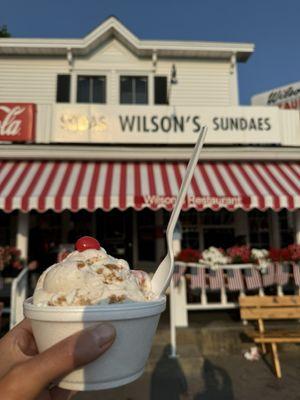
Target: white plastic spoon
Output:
[(163, 275)]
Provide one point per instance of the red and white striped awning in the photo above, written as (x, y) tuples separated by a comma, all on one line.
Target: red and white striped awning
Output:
[(90, 185)]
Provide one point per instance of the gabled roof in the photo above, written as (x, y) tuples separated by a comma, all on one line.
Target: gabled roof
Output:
[(113, 27)]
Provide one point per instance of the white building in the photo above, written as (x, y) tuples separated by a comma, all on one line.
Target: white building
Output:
[(95, 134), (286, 97)]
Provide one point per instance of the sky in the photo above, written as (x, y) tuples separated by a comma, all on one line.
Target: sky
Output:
[(272, 25)]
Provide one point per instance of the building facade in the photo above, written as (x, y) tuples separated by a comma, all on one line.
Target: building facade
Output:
[(95, 134)]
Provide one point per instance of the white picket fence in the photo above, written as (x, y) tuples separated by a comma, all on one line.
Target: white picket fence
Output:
[(180, 307)]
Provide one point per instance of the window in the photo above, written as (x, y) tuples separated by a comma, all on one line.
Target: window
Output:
[(286, 228), (160, 90), (134, 90), (63, 88), (218, 228), (259, 229), (190, 229), (91, 89)]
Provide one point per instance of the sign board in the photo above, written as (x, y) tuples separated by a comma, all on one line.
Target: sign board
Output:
[(287, 97), (164, 124), (17, 122)]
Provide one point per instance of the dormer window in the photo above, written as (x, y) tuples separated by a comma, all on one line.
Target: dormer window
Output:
[(134, 90), (91, 89)]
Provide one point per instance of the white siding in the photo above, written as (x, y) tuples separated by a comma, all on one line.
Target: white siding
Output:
[(30, 79), (205, 83), (200, 82)]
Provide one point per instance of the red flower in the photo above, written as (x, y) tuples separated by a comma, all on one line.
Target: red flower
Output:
[(188, 255), (294, 251), (10, 257), (239, 254), (275, 254)]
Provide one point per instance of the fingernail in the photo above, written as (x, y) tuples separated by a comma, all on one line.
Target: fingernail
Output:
[(104, 334)]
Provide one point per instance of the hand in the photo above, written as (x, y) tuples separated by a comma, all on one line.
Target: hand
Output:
[(25, 374)]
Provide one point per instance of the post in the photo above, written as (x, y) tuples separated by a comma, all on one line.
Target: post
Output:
[(297, 226), (275, 229), (241, 227), (223, 296), (279, 290), (173, 353), (178, 310), (203, 297), (22, 234)]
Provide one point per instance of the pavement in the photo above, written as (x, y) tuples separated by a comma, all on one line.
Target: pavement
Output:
[(210, 366)]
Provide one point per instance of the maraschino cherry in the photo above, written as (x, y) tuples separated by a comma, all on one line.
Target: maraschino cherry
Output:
[(86, 243)]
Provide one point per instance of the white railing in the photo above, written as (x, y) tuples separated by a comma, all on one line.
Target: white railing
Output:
[(18, 294), (179, 305)]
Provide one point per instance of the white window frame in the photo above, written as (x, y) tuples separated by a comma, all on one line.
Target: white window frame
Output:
[(90, 72)]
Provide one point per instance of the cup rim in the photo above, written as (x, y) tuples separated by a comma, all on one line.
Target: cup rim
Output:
[(94, 312)]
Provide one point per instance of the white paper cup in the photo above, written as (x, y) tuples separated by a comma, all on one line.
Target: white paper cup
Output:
[(135, 325)]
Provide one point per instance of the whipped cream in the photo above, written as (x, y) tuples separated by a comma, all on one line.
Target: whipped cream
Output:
[(91, 277)]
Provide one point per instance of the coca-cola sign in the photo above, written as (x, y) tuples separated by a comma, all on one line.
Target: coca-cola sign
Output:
[(17, 122)]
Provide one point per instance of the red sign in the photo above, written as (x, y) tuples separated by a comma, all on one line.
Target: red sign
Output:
[(17, 122)]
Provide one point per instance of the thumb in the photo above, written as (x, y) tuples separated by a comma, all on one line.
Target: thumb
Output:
[(73, 352)]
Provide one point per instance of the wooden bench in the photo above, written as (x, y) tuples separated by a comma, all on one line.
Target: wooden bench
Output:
[(262, 308)]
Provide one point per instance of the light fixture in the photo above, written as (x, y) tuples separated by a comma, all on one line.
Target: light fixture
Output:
[(174, 75)]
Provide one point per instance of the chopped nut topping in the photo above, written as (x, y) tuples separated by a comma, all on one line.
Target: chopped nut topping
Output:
[(80, 264), (116, 299), (92, 260), (99, 270), (109, 278), (82, 301), (61, 300), (57, 302), (112, 267)]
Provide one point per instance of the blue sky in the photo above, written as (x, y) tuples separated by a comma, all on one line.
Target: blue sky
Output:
[(272, 25)]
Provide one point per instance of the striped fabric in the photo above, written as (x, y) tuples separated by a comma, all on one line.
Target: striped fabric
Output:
[(179, 271), (198, 280), (252, 278), (296, 273), (216, 279), (43, 185), (234, 280), (268, 277), (282, 273)]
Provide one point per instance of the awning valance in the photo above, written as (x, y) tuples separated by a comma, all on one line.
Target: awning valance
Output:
[(90, 185)]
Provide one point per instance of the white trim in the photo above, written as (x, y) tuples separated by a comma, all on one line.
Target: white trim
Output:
[(234, 86), (98, 152), (112, 26)]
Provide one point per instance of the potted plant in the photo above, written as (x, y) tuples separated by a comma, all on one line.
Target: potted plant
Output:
[(11, 261)]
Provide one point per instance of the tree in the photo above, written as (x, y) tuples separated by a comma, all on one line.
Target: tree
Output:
[(4, 32)]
